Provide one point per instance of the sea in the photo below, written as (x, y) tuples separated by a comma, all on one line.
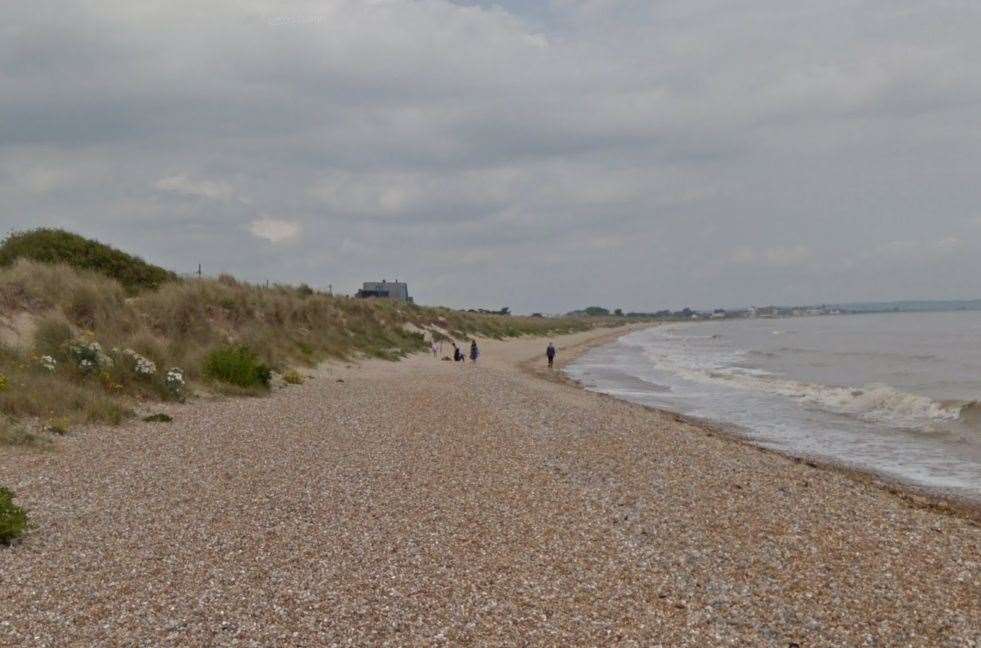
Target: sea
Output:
[(897, 394)]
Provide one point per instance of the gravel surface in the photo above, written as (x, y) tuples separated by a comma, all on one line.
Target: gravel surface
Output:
[(427, 503)]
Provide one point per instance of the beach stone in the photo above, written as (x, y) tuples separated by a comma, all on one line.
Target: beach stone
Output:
[(426, 503)]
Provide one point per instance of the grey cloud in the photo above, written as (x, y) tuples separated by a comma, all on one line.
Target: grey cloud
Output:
[(539, 155)]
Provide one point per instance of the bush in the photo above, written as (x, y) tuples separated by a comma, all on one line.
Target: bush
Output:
[(58, 246), (293, 377), (237, 366), (59, 426), (13, 519)]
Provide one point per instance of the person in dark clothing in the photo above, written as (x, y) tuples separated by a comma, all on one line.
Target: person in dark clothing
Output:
[(550, 353), (457, 354), (474, 351)]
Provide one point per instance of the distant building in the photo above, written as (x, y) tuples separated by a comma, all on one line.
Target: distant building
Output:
[(718, 313), (384, 289)]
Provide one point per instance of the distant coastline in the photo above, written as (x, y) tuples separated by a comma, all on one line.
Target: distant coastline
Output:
[(775, 312)]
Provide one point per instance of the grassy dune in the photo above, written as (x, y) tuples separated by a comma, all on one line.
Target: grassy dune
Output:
[(58, 246), (79, 346)]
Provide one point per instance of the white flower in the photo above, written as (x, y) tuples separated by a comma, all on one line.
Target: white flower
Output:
[(49, 363), (175, 381), (143, 366)]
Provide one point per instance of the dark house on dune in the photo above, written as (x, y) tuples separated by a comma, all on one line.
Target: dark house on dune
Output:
[(384, 289)]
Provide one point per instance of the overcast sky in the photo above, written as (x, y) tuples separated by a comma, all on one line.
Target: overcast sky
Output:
[(541, 155)]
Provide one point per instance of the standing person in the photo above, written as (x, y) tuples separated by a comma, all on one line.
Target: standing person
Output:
[(434, 348), (550, 353), (474, 351)]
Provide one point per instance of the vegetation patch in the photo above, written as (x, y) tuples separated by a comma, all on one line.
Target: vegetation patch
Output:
[(13, 518), (12, 434), (238, 366), (59, 246), (158, 418), (58, 426), (293, 377), (109, 334)]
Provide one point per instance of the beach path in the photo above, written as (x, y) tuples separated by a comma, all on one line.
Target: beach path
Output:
[(426, 503)]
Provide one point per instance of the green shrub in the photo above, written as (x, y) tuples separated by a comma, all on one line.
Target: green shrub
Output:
[(59, 426), (58, 246), (237, 366), (158, 418), (13, 519), (293, 377)]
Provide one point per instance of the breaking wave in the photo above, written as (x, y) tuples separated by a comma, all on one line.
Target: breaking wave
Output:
[(873, 403)]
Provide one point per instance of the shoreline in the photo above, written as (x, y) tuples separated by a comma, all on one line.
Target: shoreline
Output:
[(915, 495)]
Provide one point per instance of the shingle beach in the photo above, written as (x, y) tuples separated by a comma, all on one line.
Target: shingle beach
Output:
[(428, 503)]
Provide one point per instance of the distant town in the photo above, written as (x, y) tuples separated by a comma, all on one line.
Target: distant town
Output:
[(774, 312)]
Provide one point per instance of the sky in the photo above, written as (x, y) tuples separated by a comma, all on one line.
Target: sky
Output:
[(539, 155)]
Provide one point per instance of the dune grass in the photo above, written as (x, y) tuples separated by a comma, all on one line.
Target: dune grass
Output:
[(96, 350), (14, 434)]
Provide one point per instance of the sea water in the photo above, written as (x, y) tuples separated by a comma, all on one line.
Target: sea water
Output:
[(897, 394)]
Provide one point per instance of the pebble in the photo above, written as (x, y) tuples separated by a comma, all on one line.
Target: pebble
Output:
[(427, 502)]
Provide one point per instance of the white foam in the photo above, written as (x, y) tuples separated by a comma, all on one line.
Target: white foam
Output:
[(874, 403)]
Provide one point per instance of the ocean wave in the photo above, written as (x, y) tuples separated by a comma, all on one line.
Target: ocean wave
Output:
[(874, 403), (969, 413)]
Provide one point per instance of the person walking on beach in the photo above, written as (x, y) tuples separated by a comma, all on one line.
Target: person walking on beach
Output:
[(474, 351), (550, 353)]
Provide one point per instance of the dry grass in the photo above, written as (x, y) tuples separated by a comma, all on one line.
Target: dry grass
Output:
[(12, 434), (181, 323)]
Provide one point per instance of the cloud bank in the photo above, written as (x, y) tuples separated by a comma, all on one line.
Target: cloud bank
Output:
[(544, 157)]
